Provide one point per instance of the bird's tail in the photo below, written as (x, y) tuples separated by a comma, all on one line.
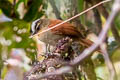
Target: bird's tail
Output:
[(87, 43)]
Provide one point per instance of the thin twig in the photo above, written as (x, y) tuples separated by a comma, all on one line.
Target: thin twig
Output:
[(72, 17), (88, 51), (109, 63)]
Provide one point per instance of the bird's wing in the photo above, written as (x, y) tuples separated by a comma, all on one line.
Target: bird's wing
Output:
[(64, 29), (70, 30)]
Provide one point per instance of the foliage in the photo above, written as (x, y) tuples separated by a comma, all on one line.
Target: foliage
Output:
[(18, 27)]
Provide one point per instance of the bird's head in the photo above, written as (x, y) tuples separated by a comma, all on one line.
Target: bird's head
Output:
[(38, 25)]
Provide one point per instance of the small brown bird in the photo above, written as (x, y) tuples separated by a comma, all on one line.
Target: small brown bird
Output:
[(52, 36)]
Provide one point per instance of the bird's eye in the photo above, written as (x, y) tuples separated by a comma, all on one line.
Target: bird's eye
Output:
[(38, 25), (38, 28)]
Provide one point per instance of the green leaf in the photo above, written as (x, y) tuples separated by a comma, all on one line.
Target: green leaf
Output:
[(6, 7), (81, 8), (25, 2), (117, 21), (33, 10)]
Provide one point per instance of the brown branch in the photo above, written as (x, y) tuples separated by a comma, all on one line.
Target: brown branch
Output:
[(88, 51)]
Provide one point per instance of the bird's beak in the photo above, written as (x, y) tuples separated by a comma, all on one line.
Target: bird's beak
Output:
[(32, 35)]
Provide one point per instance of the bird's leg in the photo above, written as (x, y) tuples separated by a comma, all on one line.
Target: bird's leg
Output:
[(48, 47)]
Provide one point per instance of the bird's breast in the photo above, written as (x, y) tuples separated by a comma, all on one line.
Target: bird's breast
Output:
[(49, 38)]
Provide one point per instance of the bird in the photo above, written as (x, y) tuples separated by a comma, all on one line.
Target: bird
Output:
[(52, 36)]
